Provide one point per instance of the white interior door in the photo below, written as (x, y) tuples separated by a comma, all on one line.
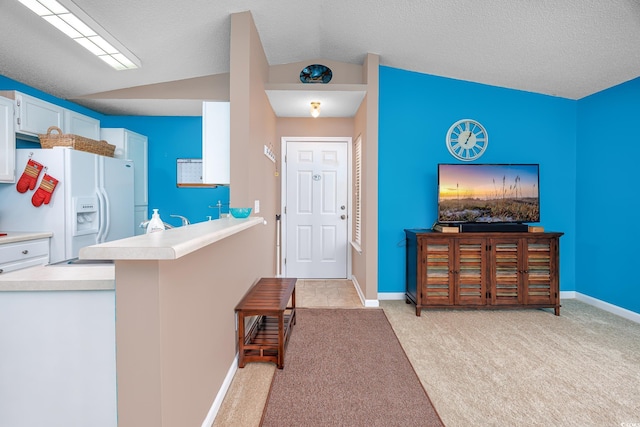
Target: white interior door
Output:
[(316, 209)]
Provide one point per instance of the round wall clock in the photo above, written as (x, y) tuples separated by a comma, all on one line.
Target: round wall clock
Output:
[(467, 140)]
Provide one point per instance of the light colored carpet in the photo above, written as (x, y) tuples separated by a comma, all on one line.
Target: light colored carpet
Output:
[(524, 367), (500, 368)]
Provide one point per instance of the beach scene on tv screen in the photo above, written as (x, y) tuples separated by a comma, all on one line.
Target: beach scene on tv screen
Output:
[(488, 193)]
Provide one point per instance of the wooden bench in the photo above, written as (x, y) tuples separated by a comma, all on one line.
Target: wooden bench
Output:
[(266, 338)]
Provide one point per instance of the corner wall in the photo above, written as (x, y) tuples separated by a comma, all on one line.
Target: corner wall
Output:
[(253, 124), (365, 264), (607, 196)]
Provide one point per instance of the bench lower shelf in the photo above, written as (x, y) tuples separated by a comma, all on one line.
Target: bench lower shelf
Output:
[(262, 342)]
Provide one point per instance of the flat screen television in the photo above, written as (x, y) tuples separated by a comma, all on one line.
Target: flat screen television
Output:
[(488, 193)]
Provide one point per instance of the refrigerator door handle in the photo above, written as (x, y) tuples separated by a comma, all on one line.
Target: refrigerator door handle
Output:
[(104, 215)]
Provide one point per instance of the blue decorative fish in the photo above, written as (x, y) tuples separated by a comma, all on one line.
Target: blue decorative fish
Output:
[(316, 73)]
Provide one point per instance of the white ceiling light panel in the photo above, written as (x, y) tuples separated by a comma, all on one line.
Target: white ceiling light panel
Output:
[(71, 20)]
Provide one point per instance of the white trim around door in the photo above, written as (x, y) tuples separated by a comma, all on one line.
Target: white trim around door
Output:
[(285, 141)]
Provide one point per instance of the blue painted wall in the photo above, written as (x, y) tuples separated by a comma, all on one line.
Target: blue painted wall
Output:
[(170, 138), (577, 179), (607, 196), (415, 112)]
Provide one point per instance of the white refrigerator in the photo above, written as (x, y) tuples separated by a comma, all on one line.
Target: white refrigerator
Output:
[(92, 202)]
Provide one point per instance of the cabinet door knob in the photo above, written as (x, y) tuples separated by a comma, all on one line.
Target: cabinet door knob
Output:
[(25, 252)]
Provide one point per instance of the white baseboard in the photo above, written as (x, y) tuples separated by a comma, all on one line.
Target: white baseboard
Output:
[(567, 295), (365, 302), (389, 296), (618, 311), (372, 303), (213, 411)]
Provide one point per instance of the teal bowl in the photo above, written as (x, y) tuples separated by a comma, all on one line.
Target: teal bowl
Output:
[(240, 212)]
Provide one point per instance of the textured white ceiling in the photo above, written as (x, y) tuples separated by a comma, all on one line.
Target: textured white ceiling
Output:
[(566, 48)]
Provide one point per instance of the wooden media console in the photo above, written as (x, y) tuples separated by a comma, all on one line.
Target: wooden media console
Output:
[(482, 270)]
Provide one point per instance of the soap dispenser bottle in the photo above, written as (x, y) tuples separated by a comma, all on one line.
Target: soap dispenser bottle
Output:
[(156, 223)]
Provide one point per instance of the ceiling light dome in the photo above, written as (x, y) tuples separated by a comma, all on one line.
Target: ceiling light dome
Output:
[(315, 109)]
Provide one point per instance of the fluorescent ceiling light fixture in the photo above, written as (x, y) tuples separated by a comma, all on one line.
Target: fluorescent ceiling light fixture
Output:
[(71, 20)]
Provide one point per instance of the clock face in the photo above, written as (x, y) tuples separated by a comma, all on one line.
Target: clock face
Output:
[(467, 140)]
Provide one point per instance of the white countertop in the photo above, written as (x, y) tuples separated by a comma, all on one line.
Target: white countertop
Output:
[(60, 277), (13, 237), (169, 244), (163, 245)]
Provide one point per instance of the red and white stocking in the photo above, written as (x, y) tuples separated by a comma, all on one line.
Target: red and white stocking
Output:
[(43, 193), (29, 177)]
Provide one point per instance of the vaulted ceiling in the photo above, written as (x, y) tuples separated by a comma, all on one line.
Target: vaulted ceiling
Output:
[(565, 48)]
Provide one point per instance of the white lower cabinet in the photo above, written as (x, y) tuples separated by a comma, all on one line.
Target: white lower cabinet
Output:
[(7, 142), (15, 256), (58, 358)]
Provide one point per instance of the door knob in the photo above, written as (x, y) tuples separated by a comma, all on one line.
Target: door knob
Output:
[(343, 216), (342, 207)]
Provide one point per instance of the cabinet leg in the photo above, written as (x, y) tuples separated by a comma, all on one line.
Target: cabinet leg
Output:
[(557, 311), (418, 311)]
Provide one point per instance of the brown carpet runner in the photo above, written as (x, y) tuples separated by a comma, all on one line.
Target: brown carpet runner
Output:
[(345, 367)]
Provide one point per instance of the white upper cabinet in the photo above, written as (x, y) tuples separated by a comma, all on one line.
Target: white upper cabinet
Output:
[(216, 139), (34, 116), (7, 142), (79, 124), (131, 146)]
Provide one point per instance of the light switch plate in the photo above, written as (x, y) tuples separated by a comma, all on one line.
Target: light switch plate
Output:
[(256, 206)]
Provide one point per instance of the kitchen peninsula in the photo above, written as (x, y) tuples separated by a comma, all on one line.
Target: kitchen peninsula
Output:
[(175, 323)]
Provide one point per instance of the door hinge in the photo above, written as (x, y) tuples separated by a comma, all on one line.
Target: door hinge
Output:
[(18, 120), (285, 261), (285, 210)]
